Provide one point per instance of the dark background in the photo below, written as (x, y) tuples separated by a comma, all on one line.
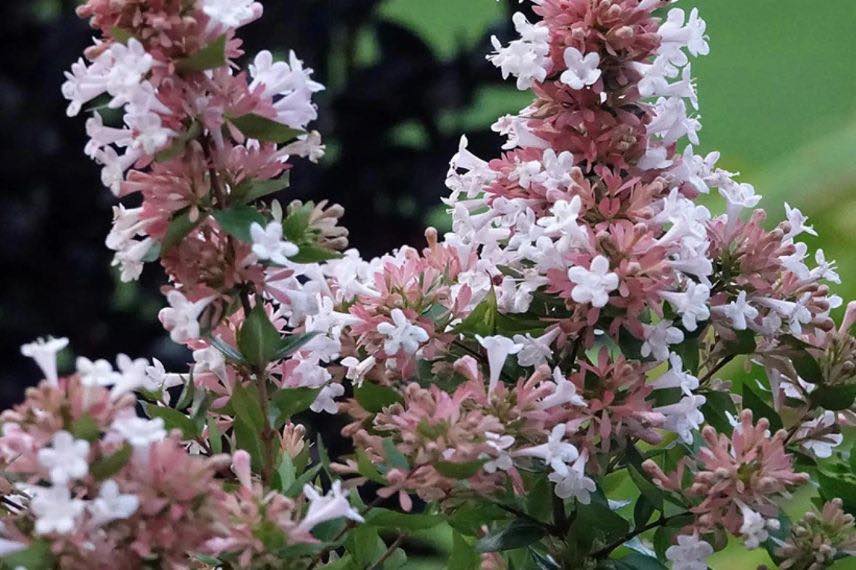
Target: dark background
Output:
[(54, 213)]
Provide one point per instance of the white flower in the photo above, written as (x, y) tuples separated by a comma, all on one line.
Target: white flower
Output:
[(133, 375), (357, 369), (111, 505), (582, 69), (139, 432), (98, 373), (555, 453), (825, 269), (291, 86), (55, 510), (691, 304), (755, 528), (797, 220), (160, 379), (322, 508), (401, 334), (181, 318), (676, 36), (658, 338), (564, 392), (269, 245), (536, 351), (149, 133), (44, 352), (500, 443), (232, 13), (739, 312), (563, 224), (796, 312), (689, 553), (309, 146), (498, 349), (593, 285), (66, 459), (325, 401), (817, 437), (675, 377), (209, 359), (309, 373), (671, 121), (572, 482), (684, 417), (526, 58)]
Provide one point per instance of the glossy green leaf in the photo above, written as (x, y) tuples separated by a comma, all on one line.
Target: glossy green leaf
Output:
[(760, 408), (252, 190), (264, 129), (86, 428), (179, 227), (463, 555), (314, 253), (393, 520), (374, 397), (173, 419), (210, 57), (835, 398), (289, 402), (518, 534), (258, 340), (246, 405), (482, 320), (107, 466), (459, 470), (236, 221)]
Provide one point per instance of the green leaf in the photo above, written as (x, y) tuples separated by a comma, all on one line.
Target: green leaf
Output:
[(258, 340), (744, 344), (37, 556), (178, 228), (482, 320), (286, 473), (215, 438), (688, 350), (638, 561), (249, 439), (264, 129), (394, 458), (365, 545), (291, 401), (236, 221), (838, 485), (296, 224), (251, 190), (85, 428), (368, 469), (393, 520), (642, 511), (596, 525), (173, 419), (210, 57), (760, 408), (313, 253), (463, 555), (307, 476), (247, 407), (715, 408), (227, 350), (459, 470), (835, 398), (374, 397), (111, 464), (291, 344), (469, 518), (180, 143), (518, 534), (804, 363)]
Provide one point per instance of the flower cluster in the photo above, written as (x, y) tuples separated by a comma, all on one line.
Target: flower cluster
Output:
[(563, 343)]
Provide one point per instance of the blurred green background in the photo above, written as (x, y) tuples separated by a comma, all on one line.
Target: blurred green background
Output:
[(778, 100)]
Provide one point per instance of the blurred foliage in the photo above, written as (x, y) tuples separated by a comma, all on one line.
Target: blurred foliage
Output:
[(405, 79)]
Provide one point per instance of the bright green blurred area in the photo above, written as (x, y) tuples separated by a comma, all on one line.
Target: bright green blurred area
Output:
[(778, 100)]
